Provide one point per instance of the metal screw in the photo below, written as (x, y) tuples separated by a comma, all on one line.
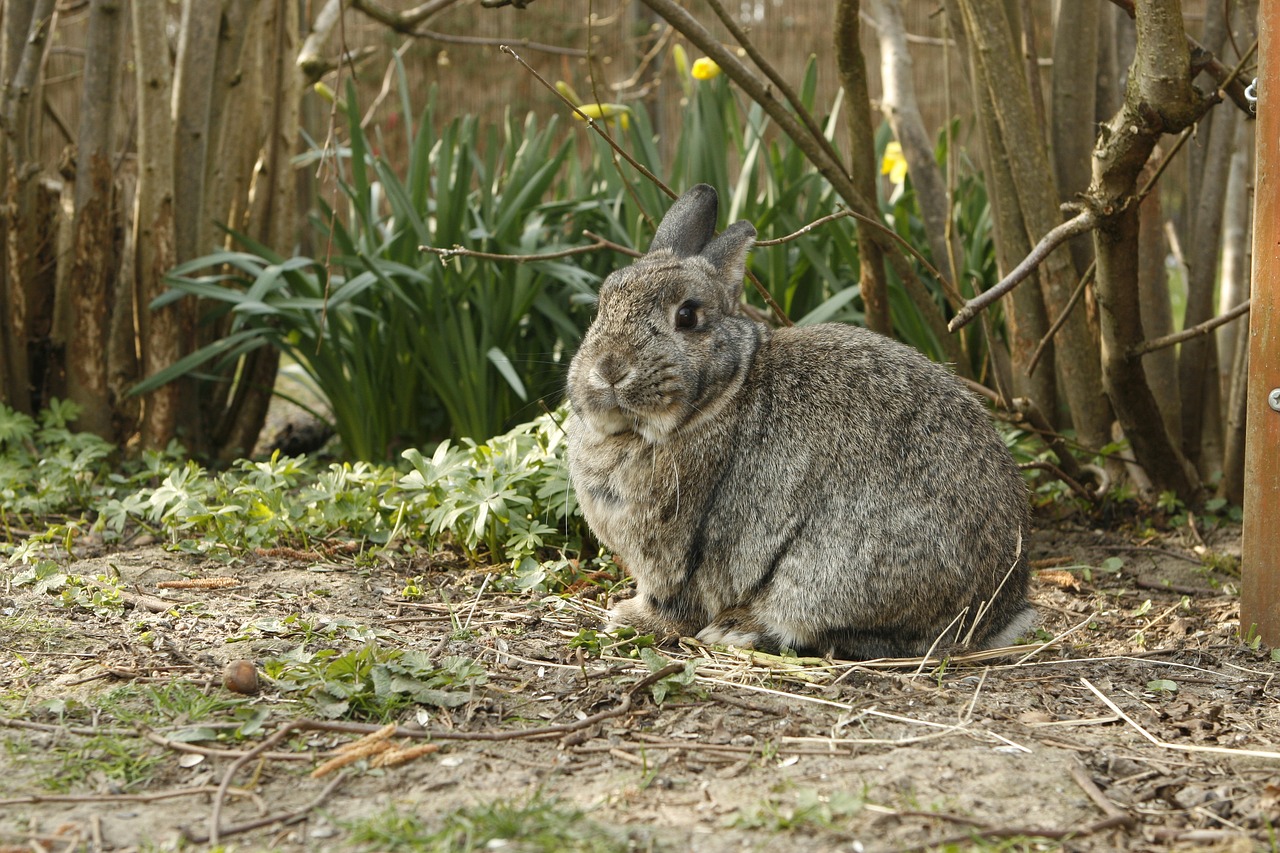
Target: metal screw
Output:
[(1273, 399)]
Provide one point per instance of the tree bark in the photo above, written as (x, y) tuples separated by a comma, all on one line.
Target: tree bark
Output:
[(902, 111), (164, 333), (1159, 99), (862, 160), (271, 219), (1075, 63), (91, 289), (27, 26), (192, 99)]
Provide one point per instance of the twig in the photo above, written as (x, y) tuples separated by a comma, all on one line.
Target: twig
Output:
[(1080, 223), (1181, 747), (598, 243), (789, 93), (1110, 809), (35, 799), (215, 817), (1187, 334), (286, 818), (592, 123), (212, 752), (1061, 319)]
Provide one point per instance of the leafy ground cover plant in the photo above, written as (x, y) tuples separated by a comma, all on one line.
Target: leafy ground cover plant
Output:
[(507, 499)]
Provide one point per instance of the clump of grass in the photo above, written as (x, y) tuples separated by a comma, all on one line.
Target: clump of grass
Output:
[(537, 825)]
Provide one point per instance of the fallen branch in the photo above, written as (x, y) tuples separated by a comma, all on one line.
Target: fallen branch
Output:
[(270, 820), (1187, 334), (1079, 224), (215, 817), (1180, 747)]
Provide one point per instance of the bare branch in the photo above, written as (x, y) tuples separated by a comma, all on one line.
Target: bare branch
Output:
[(1079, 224), (408, 22), (593, 124), (1062, 317), (462, 252), (1187, 334), (1229, 84), (403, 22)]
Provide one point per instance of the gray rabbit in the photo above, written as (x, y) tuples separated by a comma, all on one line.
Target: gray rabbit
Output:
[(823, 489)]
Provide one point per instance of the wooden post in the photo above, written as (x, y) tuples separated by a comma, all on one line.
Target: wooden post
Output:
[(1260, 592)]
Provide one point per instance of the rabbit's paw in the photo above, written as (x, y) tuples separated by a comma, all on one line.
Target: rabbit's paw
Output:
[(737, 627), (638, 615)]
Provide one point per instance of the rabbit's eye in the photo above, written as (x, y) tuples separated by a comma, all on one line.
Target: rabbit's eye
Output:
[(687, 316)]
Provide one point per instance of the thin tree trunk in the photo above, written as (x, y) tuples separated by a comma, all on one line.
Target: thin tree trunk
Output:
[(1160, 366), (163, 332), (1197, 359), (862, 160), (1016, 144), (272, 220), (192, 96), (27, 27), (901, 109), (90, 290), (1159, 99), (1075, 59)]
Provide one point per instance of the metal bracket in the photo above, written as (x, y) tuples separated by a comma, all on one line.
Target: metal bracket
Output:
[(1251, 95)]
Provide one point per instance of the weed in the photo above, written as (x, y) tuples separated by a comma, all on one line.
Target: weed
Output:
[(534, 826), (372, 682), (808, 810)]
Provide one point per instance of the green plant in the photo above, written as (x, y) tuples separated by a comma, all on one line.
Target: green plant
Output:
[(536, 825), (408, 347), (46, 470), (372, 682)]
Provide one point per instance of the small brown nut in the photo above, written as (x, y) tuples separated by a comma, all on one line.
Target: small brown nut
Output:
[(240, 676)]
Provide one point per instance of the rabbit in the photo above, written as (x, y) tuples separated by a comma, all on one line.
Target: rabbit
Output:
[(820, 489)]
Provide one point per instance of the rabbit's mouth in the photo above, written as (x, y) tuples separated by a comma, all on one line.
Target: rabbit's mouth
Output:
[(615, 417)]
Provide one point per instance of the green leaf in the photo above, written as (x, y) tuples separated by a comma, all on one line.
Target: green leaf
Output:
[(1162, 685)]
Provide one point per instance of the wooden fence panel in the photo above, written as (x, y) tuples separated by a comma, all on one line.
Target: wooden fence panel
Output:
[(1260, 595)]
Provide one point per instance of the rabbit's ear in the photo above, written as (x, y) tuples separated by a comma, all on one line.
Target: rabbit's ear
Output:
[(689, 223), (728, 255)]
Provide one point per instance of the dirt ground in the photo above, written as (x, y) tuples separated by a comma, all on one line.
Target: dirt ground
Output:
[(1138, 720)]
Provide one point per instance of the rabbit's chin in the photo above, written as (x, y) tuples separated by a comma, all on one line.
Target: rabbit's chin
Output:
[(653, 427)]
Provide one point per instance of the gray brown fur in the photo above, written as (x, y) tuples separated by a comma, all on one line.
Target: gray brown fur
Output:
[(824, 488)]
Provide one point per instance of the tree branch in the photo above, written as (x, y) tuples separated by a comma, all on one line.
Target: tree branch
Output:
[(1079, 224), (1187, 334)]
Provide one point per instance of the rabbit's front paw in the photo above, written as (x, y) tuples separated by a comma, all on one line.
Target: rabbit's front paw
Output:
[(737, 626), (723, 635), (637, 614)]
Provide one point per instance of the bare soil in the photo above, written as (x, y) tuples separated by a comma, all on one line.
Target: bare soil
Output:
[(1145, 724)]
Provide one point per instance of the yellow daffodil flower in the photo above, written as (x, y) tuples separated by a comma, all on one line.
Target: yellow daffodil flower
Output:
[(620, 112), (894, 164), (704, 68)]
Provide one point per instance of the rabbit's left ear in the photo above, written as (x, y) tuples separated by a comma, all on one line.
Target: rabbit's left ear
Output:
[(727, 254), (689, 223)]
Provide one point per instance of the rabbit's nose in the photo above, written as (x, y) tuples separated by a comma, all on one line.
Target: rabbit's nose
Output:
[(612, 370)]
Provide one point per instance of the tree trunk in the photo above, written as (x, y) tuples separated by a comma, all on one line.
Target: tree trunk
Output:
[(164, 333), (900, 108), (23, 292), (862, 160), (90, 292), (1160, 366), (192, 96), (1159, 99), (272, 217), (1075, 60)]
